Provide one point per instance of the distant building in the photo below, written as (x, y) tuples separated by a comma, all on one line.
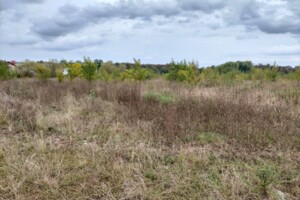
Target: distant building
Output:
[(12, 65), (65, 72)]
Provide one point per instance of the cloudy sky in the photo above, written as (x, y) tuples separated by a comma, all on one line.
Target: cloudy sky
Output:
[(156, 31)]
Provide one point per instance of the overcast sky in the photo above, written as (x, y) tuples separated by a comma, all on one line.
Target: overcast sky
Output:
[(155, 31)]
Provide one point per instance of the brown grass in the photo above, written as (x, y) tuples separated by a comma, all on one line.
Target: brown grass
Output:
[(152, 140)]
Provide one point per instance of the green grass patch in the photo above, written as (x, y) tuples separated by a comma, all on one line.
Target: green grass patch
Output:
[(210, 138), (160, 97)]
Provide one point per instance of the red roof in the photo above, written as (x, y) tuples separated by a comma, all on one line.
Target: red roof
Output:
[(12, 62)]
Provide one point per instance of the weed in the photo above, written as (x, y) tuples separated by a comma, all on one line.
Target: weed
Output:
[(147, 140), (266, 175), (162, 98)]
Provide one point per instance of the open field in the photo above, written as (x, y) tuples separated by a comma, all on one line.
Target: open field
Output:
[(149, 140)]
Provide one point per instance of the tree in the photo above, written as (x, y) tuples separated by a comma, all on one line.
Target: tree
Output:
[(137, 72), (245, 66), (42, 72), (271, 74), (183, 72), (297, 75), (228, 67), (89, 69), (60, 75), (74, 70), (4, 70), (109, 71), (98, 63), (27, 69)]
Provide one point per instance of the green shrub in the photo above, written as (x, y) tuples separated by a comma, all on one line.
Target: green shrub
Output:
[(136, 73), (228, 67), (183, 72), (297, 75), (74, 70), (109, 71), (5, 72), (42, 72), (60, 75), (89, 69), (266, 175), (271, 74)]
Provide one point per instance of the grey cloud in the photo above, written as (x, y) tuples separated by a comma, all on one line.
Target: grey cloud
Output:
[(52, 28), (268, 18), (251, 14), (21, 42), (284, 26), (68, 46), (202, 5), (130, 9), (74, 18), (294, 6), (8, 4)]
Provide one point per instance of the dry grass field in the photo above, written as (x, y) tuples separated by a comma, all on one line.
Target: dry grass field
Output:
[(149, 140)]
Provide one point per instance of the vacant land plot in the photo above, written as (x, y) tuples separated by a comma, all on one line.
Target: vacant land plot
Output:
[(149, 140)]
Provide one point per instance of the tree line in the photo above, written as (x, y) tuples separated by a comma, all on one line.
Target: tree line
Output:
[(183, 71)]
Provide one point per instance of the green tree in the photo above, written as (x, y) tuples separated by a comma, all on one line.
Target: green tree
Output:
[(42, 72), (228, 67), (137, 72), (183, 72), (257, 74), (98, 63), (109, 71), (59, 75), (271, 74), (27, 69), (89, 69), (74, 70), (297, 75), (245, 66), (4, 70)]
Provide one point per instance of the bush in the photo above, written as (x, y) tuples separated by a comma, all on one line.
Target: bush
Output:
[(5, 72), (228, 67), (42, 72), (27, 69), (183, 72), (74, 70), (89, 69), (108, 71), (271, 74), (60, 75), (137, 73)]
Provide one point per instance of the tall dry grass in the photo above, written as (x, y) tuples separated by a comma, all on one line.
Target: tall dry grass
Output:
[(151, 140)]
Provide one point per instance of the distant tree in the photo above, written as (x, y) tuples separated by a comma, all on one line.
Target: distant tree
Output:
[(53, 65), (74, 70), (60, 75), (245, 66), (228, 67), (183, 72), (42, 72), (27, 69), (297, 75), (98, 63), (110, 71), (89, 69), (271, 74), (137, 72), (4, 70)]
